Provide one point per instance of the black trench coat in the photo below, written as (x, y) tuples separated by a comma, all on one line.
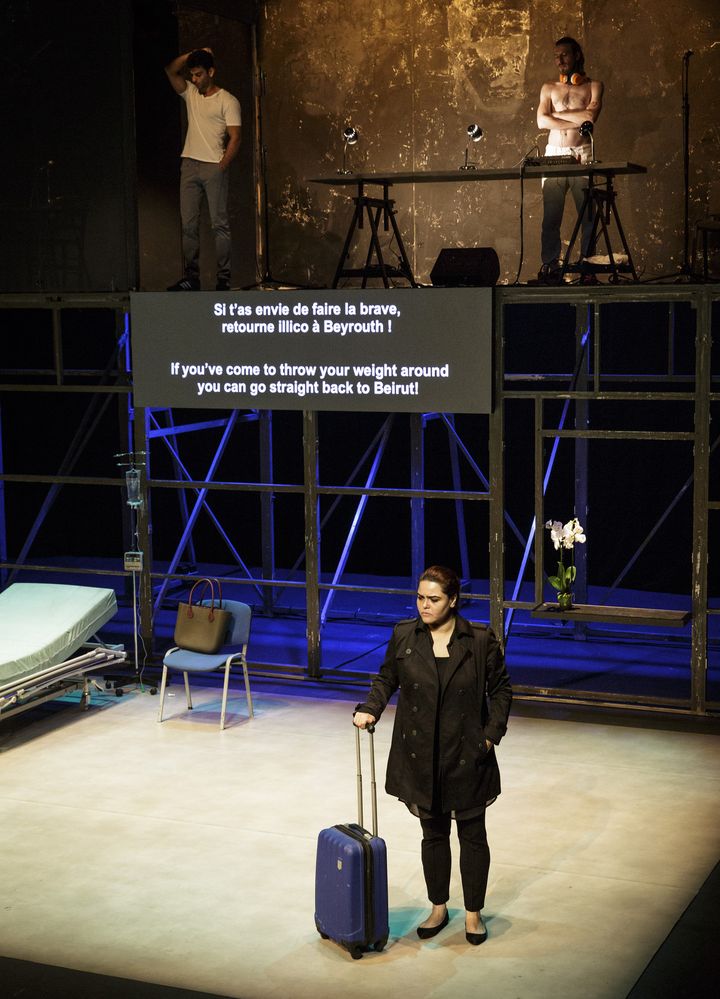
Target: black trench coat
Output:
[(474, 706)]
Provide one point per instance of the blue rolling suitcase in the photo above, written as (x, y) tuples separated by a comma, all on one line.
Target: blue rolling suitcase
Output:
[(351, 893)]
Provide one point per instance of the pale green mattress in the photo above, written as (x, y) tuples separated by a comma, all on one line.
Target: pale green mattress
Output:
[(42, 624)]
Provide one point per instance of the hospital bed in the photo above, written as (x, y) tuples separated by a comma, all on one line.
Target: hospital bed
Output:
[(45, 647)]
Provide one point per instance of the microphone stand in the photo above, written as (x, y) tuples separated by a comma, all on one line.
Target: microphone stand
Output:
[(686, 270), (536, 148)]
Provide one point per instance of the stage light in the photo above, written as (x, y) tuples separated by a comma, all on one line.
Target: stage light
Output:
[(350, 138), (474, 133), (586, 129)]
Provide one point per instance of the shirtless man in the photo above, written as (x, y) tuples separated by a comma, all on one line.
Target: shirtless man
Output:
[(564, 105)]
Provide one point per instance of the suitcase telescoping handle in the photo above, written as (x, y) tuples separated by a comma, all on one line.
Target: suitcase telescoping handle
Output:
[(373, 786)]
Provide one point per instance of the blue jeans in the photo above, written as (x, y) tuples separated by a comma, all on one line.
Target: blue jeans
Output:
[(198, 179), (554, 191)]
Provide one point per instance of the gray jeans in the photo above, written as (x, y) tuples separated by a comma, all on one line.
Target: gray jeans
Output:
[(554, 191), (198, 179)]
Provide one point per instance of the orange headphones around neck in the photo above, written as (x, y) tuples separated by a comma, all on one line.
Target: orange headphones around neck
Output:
[(574, 79)]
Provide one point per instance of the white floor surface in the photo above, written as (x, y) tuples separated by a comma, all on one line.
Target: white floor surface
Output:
[(181, 855)]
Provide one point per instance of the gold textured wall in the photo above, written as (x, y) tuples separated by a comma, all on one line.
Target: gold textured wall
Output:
[(412, 74)]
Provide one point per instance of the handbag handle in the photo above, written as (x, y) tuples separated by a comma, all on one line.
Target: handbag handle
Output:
[(207, 581)]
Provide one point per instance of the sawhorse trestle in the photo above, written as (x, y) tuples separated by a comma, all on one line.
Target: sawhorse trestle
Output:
[(375, 209)]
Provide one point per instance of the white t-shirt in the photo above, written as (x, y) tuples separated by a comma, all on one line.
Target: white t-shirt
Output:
[(208, 118)]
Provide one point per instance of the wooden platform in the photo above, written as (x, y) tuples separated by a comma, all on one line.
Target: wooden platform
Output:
[(600, 614)]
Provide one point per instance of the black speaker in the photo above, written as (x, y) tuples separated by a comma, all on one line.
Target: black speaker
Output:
[(466, 267)]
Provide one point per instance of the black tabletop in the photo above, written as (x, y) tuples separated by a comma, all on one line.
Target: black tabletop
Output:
[(469, 176)]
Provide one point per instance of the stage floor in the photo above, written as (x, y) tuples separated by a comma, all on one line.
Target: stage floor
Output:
[(180, 855)]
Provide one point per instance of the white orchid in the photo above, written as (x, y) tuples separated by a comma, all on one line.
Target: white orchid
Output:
[(565, 537), (556, 532), (573, 533)]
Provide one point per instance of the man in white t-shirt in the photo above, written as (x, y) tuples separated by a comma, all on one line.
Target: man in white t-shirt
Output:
[(211, 144)]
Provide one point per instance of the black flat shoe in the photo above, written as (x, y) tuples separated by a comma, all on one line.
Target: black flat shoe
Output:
[(426, 932), (476, 938)]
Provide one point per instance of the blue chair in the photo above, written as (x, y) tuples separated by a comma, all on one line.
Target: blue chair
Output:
[(233, 651)]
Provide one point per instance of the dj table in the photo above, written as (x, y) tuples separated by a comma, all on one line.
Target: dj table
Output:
[(599, 197)]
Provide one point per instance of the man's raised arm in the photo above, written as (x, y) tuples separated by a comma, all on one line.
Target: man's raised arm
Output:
[(175, 71)]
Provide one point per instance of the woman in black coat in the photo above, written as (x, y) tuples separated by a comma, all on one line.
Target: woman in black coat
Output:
[(452, 711)]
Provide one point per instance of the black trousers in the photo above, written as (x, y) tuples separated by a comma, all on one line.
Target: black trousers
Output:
[(474, 859)]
